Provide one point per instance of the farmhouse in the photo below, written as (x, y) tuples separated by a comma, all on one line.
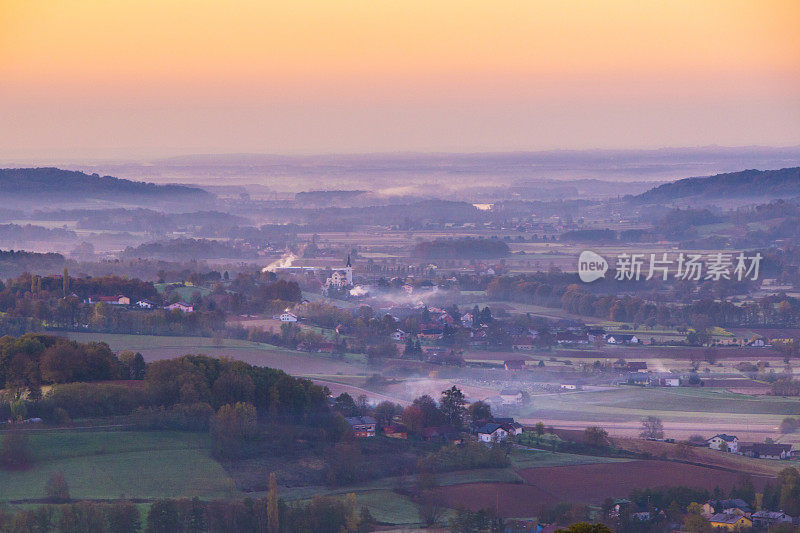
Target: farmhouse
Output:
[(766, 451), (286, 316), (492, 432), (511, 396), (145, 304), (186, 308), (730, 521), (724, 442), (362, 426)]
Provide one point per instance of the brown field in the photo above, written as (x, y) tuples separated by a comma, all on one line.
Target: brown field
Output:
[(588, 484)]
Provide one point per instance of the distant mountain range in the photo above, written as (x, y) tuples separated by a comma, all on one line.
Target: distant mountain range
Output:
[(73, 184), (756, 184)]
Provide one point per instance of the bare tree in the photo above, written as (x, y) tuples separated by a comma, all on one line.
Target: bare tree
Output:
[(652, 428)]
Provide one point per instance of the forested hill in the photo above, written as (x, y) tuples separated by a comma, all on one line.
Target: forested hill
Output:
[(49, 181), (783, 183)]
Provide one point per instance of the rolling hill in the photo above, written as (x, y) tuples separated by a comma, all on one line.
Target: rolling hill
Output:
[(783, 183), (66, 184)]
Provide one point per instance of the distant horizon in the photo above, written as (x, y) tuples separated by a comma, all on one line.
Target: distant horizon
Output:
[(149, 158)]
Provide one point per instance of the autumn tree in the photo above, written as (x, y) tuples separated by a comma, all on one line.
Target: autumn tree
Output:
[(595, 436), (232, 427)]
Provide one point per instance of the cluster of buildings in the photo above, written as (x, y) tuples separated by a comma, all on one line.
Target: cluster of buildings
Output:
[(763, 450), (735, 514), (122, 300), (488, 431)]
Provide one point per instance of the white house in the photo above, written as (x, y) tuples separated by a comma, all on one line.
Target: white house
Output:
[(724, 442), (286, 316), (145, 304), (186, 308), (492, 432)]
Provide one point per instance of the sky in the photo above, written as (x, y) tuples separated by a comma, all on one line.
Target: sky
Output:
[(146, 78)]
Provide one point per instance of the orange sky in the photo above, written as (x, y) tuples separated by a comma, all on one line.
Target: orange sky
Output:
[(97, 78)]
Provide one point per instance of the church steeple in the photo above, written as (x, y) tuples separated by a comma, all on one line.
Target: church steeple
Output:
[(348, 261)]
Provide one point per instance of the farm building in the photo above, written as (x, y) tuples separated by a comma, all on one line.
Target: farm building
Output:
[(145, 304), (766, 451)]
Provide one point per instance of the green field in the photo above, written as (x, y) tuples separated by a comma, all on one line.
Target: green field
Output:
[(120, 464), (155, 347), (539, 459), (185, 293)]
